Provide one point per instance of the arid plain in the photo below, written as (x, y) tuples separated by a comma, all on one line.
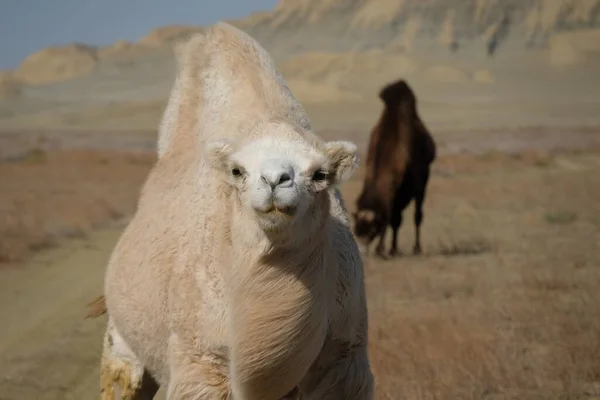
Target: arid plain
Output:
[(504, 302)]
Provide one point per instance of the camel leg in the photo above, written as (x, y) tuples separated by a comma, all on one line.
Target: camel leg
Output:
[(418, 219), (122, 376), (401, 200), (380, 249), (395, 222), (419, 198)]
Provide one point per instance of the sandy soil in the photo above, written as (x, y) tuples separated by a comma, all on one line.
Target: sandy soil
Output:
[(502, 305), (49, 195), (47, 350)]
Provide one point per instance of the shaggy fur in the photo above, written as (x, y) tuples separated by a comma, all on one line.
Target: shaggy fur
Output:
[(400, 153), (212, 299)]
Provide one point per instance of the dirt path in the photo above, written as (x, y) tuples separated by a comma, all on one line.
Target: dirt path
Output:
[(47, 350)]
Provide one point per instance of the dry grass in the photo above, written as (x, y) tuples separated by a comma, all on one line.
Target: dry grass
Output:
[(561, 217), (465, 247), (47, 196), (504, 303)]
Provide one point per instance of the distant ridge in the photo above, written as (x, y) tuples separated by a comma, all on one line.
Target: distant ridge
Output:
[(349, 30)]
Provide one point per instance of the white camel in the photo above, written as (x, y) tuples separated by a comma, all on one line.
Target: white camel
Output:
[(238, 277)]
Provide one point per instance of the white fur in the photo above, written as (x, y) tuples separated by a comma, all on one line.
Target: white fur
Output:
[(168, 121), (261, 161)]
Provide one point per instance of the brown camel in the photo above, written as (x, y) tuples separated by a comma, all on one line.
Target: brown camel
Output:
[(400, 153)]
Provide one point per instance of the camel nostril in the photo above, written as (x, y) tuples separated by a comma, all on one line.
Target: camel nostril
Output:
[(284, 178)]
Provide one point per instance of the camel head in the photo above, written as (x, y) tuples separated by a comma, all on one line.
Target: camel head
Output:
[(370, 216), (367, 225), (280, 176)]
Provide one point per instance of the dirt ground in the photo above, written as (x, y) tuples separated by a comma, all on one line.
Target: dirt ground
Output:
[(47, 195), (502, 305)]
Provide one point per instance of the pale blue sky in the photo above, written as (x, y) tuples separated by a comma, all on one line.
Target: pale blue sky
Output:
[(29, 25)]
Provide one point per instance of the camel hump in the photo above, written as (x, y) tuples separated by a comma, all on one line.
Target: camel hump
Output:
[(226, 81)]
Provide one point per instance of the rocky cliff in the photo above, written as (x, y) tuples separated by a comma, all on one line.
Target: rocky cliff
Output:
[(406, 25), (569, 28)]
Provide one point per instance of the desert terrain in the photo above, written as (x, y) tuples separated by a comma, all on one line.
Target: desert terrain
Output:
[(504, 302)]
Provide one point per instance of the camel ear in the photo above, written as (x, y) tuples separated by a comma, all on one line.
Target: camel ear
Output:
[(218, 152), (342, 158)]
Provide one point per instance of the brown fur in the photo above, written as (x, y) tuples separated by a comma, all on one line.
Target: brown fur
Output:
[(400, 152), (199, 296)]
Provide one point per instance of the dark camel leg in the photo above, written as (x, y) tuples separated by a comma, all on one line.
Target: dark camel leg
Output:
[(380, 249), (419, 198), (418, 220), (395, 222), (401, 200)]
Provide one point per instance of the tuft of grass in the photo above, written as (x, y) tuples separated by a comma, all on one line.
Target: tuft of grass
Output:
[(34, 156), (465, 247), (560, 217), (542, 161)]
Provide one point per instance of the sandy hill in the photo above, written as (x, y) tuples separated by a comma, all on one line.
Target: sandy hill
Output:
[(366, 24), (60, 63), (170, 34), (472, 27), (57, 63), (118, 47)]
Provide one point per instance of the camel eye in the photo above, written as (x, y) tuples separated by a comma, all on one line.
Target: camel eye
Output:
[(236, 172), (319, 176)]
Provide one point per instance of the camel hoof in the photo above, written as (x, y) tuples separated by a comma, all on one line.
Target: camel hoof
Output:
[(395, 253), (417, 250)]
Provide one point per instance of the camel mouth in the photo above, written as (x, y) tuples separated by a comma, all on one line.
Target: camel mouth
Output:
[(276, 219), (274, 211), (289, 211)]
